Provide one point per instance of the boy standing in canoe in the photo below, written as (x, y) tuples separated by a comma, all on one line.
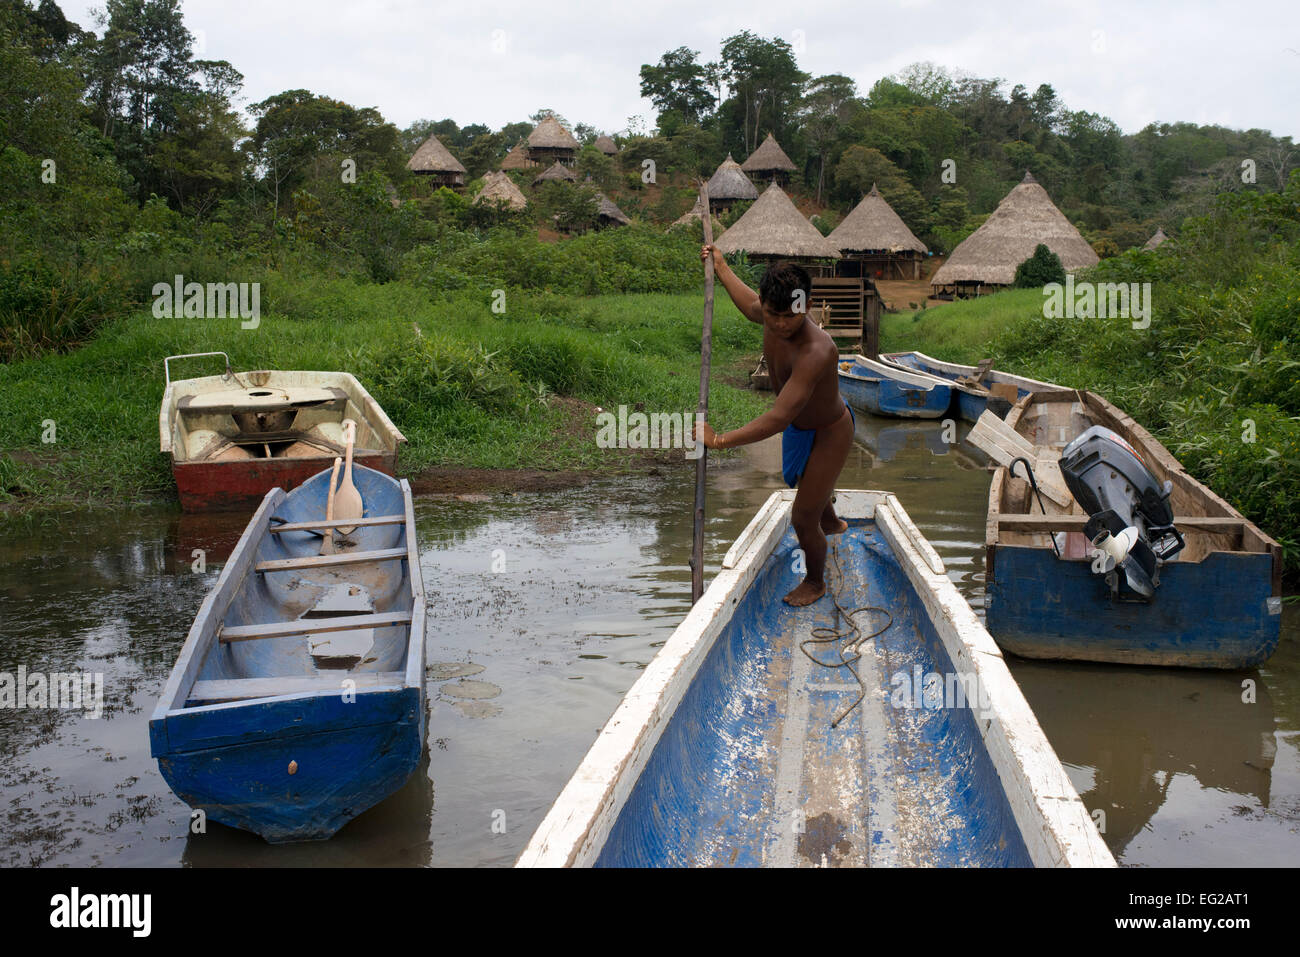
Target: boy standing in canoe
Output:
[(816, 423)]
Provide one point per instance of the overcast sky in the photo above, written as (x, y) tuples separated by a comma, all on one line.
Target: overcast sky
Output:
[(1136, 61)]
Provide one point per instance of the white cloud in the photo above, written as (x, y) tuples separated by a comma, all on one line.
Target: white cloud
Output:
[(1162, 60)]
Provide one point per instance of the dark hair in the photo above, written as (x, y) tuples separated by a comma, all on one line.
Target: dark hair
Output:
[(779, 285)]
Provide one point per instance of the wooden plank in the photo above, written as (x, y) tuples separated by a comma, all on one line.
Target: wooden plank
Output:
[(1004, 446), (313, 626), (338, 523), (1075, 523), (241, 689), (325, 561)]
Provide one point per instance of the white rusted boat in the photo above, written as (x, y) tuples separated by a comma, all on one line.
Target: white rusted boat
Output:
[(234, 437), (734, 748)]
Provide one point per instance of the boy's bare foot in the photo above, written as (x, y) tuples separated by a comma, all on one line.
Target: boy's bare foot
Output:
[(839, 526), (805, 594)]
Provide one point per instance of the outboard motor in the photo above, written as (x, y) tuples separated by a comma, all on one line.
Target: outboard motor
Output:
[(1130, 520)]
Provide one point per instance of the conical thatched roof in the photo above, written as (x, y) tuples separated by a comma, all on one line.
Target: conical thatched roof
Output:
[(557, 173), (517, 158), (696, 212), (606, 145), (433, 157), (873, 224), (607, 210), (728, 182), (1157, 239), (1025, 217), (498, 188), (550, 135), (774, 227), (769, 156)]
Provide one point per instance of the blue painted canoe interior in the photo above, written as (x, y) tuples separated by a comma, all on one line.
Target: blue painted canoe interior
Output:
[(749, 771), (283, 596)]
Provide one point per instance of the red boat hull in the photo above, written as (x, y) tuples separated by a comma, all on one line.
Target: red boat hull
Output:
[(230, 486)]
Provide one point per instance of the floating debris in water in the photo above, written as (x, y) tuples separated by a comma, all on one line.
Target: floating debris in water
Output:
[(476, 709), (471, 689), (442, 670)]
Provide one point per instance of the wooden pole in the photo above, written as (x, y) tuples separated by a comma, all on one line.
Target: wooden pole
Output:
[(706, 357)]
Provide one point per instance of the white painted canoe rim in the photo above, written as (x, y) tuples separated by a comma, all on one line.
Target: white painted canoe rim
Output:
[(1021, 381), (880, 370), (1054, 822)]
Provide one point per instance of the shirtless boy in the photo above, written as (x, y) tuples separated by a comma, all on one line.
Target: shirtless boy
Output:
[(817, 425)]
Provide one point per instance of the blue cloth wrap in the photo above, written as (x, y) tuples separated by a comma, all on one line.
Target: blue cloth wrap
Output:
[(796, 446)]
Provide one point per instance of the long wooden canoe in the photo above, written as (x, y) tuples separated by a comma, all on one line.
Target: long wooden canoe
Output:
[(884, 390), (972, 397), (297, 701), (723, 752), (1218, 604), (233, 437)]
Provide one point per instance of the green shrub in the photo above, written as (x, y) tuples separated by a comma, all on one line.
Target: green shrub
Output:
[(1043, 267)]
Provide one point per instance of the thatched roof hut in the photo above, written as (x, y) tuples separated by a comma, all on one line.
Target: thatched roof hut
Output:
[(608, 214), (1156, 240), (769, 162), (500, 190), (550, 142), (435, 160), (774, 229), (873, 225), (517, 158), (876, 242), (694, 214), (989, 256), (558, 173), (606, 145), (728, 185)]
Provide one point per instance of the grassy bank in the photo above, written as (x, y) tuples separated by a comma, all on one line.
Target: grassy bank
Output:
[(469, 387)]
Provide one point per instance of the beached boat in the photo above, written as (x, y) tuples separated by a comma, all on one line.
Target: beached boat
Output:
[(973, 386), (297, 701), (234, 437), (1193, 584), (886, 390), (724, 752)]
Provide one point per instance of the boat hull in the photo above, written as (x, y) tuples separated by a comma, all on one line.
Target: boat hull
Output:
[(346, 756), (701, 801), (282, 717), (969, 403), (1217, 605), (894, 399), (735, 748), (239, 486), (1038, 606)]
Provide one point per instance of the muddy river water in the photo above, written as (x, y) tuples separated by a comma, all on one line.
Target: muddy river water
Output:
[(544, 607)]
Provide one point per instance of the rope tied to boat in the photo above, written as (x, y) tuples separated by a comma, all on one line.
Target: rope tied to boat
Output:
[(851, 651)]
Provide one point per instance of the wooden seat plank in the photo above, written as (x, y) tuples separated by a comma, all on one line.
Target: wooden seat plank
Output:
[(325, 561), (313, 626), (241, 689), (1075, 523), (338, 523)]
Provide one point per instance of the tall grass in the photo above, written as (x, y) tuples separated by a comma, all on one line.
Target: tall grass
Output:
[(468, 386)]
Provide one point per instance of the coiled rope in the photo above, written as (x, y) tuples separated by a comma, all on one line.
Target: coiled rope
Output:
[(850, 651)]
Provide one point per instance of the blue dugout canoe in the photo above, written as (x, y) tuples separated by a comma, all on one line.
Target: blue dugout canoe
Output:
[(723, 752), (297, 701), (1218, 604), (879, 389), (971, 399)]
